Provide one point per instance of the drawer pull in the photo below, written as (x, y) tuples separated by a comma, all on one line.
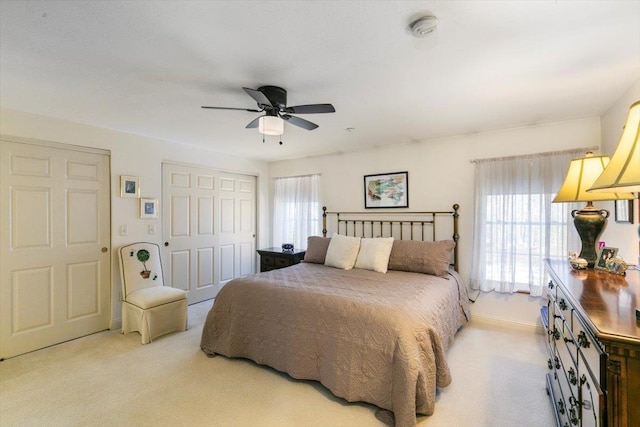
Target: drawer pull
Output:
[(583, 341), (586, 405), (561, 406), (550, 284), (572, 379), (549, 363), (562, 304), (574, 416), (557, 362), (555, 333), (583, 379)]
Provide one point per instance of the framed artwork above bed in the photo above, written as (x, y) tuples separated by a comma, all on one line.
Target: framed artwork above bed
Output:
[(386, 190)]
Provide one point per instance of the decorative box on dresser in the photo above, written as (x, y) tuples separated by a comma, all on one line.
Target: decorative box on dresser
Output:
[(593, 339), (274, 258)]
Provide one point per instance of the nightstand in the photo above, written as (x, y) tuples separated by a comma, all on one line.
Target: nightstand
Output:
[(274, 258)]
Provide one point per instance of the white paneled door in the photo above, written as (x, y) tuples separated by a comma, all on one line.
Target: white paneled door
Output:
[(208, 228), (55, 261)]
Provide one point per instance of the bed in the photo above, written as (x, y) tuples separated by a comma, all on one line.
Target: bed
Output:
[(366, 335)]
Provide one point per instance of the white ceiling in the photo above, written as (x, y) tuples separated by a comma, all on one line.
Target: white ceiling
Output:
[(147, 67)]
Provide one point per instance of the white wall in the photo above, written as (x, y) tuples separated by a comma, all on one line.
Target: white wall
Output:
[(142, 157), (622, 236), (441, 174)]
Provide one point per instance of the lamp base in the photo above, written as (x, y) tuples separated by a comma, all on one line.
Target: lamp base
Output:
[(590, 223)]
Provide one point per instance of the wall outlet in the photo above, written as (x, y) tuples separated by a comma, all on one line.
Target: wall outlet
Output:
[(124, 230), (151, 228)]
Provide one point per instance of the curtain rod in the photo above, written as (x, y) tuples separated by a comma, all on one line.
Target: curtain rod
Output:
[(297, 176), (546, 153)]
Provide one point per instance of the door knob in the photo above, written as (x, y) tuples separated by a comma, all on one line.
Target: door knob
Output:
[(166, 243), (104, 249)]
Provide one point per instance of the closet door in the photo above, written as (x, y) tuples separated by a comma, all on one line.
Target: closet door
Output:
[(55, 261), (208, 228)]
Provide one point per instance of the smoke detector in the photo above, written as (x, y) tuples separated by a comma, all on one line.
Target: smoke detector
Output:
[(424, 26)]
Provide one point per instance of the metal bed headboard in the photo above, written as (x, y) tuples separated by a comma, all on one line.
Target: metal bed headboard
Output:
[(399, 225)]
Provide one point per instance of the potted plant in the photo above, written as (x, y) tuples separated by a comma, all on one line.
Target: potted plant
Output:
[(143, 256)]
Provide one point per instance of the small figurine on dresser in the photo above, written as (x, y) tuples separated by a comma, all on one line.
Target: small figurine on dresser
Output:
[(576, 262)]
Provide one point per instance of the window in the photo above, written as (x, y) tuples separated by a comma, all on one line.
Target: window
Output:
[(296, 210), (516, 225)]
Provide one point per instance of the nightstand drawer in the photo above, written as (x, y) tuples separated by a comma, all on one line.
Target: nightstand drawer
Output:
[(267, 260), (282, 262)]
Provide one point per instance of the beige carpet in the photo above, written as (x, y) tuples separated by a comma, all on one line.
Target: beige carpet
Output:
[(110, 379)]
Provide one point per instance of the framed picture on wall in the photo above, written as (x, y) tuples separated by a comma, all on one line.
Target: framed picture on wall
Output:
[(624, 211), (386, 190), (148, 208), (129, 186)]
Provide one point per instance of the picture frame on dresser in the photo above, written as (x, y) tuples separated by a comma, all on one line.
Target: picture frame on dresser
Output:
[(606, 254)]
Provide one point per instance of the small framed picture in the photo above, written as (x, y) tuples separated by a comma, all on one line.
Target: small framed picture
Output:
[(129, 186), (606, 254), (148, 208), (624, 211), (387, 190)]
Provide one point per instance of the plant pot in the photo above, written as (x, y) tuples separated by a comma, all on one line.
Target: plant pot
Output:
[(145, 274)]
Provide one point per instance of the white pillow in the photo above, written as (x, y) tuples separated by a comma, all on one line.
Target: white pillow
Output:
[(374, 254), (342, 251)]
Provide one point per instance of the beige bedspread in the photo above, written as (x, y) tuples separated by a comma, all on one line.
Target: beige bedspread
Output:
[(366, 336)]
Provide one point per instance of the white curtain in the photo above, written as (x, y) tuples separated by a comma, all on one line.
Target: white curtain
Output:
[(516, 225), (296, 210)]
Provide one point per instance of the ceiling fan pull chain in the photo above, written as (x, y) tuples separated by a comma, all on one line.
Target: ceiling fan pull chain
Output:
[(263, 138)]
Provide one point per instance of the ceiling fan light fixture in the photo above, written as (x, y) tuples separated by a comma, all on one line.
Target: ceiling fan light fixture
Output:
[(271, 125)]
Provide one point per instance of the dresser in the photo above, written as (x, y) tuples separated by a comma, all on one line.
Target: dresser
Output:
[(593, 341), (274, 258)]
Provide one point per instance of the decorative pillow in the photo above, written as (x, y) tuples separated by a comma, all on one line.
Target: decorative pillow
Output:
[(342, 251), (374, 254), (317, 249), (422, 257)]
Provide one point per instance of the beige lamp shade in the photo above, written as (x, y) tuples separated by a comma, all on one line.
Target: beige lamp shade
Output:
[(581, 175), (271, 125), (623, 171)]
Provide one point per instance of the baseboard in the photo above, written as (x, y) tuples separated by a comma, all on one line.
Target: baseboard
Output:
[(526, 327), (115, 324)]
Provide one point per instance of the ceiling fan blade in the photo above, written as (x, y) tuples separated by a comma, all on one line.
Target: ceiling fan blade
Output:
[(258, 96), (310, 109), (305, 124), (232, 108), (253, 123)]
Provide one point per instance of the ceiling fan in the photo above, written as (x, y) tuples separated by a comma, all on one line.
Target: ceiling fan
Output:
[(272, 101)]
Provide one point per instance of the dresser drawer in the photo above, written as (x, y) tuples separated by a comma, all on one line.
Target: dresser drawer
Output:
[(567, 355), (267, 260), (564, 306), (590, 349), (592, 398), (559, 403)]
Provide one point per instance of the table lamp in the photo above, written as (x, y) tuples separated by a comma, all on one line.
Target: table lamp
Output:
[(623, 171), (589, 221)]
